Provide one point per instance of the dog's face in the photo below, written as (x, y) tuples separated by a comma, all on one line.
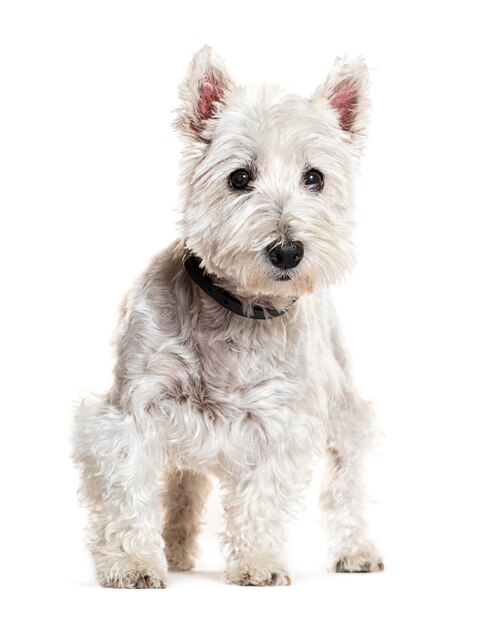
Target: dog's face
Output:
[(267, 177)]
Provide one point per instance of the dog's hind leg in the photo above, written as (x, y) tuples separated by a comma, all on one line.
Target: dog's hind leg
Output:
[(119, 455), (184, 498)]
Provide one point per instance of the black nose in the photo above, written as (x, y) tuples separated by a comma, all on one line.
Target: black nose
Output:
[(287, 255)]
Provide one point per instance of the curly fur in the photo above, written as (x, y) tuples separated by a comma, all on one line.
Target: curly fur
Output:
[(200, 390)]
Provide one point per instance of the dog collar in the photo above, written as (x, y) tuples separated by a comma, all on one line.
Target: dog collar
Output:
[(223, 297)]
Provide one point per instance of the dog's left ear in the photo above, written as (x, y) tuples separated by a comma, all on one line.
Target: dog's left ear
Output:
[(202, 93), (346, 91)]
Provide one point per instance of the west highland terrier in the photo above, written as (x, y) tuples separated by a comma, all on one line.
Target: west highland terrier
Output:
[(230, 360)]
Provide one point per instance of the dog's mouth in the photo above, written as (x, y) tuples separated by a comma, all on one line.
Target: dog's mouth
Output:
[(284, 276)]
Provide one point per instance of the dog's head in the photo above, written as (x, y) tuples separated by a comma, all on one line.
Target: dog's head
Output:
[(267, 176)]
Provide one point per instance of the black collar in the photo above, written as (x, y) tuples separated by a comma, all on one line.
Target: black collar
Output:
[(223, 297)]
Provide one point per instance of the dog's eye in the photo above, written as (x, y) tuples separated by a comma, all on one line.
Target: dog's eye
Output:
[(314, 178), (239, 179)]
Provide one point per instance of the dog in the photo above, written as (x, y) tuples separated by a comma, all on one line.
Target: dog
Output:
[(230, 359)]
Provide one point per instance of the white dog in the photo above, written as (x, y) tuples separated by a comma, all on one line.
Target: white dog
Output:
[(229, 355)]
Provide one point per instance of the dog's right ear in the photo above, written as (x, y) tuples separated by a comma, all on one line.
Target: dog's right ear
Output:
[(202, 93)]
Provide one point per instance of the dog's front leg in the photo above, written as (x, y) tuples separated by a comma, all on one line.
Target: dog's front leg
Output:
[(351, 430), (119, 456), (257, 504)]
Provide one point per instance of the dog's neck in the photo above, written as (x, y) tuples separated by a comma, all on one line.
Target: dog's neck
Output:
[(242, 305)]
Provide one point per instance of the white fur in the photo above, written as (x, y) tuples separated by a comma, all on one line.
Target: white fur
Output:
[(201, 390)]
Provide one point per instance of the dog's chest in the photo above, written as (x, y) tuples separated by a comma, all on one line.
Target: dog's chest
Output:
[(242, 376), (237, 393), (240, 400)]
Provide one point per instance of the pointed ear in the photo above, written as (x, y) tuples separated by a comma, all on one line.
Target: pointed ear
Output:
[(346, 91), (202, 93)]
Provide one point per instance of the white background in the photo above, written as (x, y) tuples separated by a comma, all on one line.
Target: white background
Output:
[(88, 170)]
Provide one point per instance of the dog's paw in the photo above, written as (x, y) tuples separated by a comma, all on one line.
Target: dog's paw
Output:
[(358, 564), (258, 577), (135, 580), (180, 564)]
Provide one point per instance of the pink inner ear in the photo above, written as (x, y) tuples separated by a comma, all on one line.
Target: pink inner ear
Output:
[(210, 91), (345, 100)]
